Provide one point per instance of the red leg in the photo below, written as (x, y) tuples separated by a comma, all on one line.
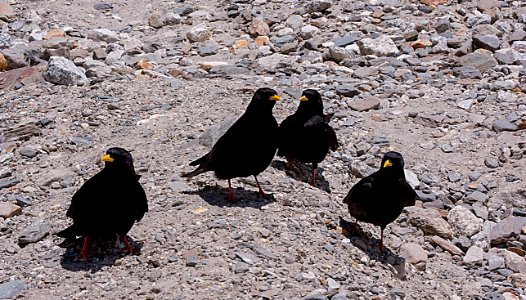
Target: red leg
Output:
[(84, 252), (261, 193), (355, 227), (313, 181), (230, 193), (128, 249)]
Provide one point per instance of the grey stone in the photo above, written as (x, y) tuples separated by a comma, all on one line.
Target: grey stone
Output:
[(488, 42), (345, 40), (381, 46), (155, 21), (474, 256), (103, 6), (442, 25), (474, 175), (28, 151), (338, 54), (463, 221), (507, 56), (454, 176), (11, 289), (208, 49), (210, 137), (246, 257), (411, 178), (364, 104), (272, 61), (491, 162), (425, 197), (192, 261), (446, 245), (503, 125), (63, 71), (495, 261), (103, 35), (513, 261), (241, 267), (34, 233), (477, 196), (294, 21), (262, 251), (506, 230), (347, 90), (317, 6), (8, 182), (480, 59), (467, 72)]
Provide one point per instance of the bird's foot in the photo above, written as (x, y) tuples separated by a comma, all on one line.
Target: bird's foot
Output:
[(230, 196), (355, 228), (128, 249)]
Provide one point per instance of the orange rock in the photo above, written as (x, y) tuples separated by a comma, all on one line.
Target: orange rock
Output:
[(54, 33), (240, 44), (7, 12), (433, 3), (421, 44), (3, 63), (262, 40), (522, 125), (144, 64)]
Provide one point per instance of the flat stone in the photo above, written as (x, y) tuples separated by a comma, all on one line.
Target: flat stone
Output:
[(28, 151), (474, 256), (463, 221), (513, 261), (491, 162), (506, 230), (103, 35), (414, 254), (411, 178), (273, 60), (429, 221), (11, 289), (503, 125), (477, 196), (63, 71), (467, 72), (446, 245), (8, 210), (425, 197), (507, 56), (34, 233), (345, 40), (192, 261), (488, 42), (381, 46), (246, 257), (103, 6), (241, 267), (338, 54), (317, 6), (25, 76), (481, 59), (364, 104), (483, 5)]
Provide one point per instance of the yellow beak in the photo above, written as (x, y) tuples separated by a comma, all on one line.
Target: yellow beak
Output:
[(107, 158), (387, 163), (275, 98), (304, 98)]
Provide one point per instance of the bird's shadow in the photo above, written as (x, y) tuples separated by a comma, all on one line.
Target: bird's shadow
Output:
[(217, 196), (370, 245), (103, 255), (303, 173)]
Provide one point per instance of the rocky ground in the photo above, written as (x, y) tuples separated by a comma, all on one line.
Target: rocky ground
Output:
[(441, 82)]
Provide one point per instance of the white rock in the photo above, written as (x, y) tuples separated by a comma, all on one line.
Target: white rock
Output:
[(463, 221), (380, 46), (198, 34), (63, 71), (474, 255), (411, 178)]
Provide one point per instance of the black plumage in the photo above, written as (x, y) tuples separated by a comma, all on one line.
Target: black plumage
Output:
[(306, 135), (108, 204), (380, 197), (248, 146)]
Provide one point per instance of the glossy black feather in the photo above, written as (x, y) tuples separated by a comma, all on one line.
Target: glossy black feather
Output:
[(110, 202), (380, 197), (248, 146), (306, 135)]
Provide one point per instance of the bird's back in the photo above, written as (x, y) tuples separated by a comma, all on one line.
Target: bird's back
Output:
[(378, 200), (107, 204), (246, 148)]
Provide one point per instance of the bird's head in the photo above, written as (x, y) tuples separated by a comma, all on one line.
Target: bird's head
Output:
[(116, 157), (263, 99), (310, 102), (392, 161)]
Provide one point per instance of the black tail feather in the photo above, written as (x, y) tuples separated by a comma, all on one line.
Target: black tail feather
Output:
[(70, 232)]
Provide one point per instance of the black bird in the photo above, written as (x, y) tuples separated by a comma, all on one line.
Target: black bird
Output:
[(108, 204), (380, 197), (306, 135), (248, 146)]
